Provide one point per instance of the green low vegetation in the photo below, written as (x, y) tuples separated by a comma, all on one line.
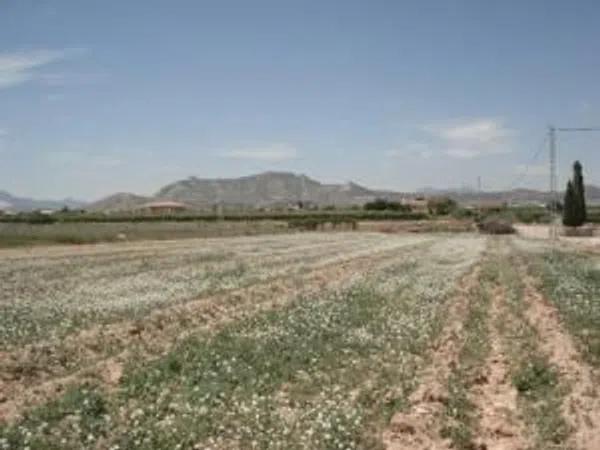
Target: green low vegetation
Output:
[(572, 282), (540, 394), (25, 234), (324, 216), (460, 421), (381, 204)]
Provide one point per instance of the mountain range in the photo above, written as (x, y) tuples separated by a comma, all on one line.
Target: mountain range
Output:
[(12, 202), (268, 189)]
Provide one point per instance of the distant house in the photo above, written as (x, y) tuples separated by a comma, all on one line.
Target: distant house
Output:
[(164, 207)]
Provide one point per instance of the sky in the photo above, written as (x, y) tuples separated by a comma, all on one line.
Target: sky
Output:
[(98, 97)]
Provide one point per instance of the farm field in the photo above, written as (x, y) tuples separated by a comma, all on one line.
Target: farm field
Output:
[(348, 340)]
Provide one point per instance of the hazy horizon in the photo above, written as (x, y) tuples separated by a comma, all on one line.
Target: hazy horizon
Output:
[(129, 96)]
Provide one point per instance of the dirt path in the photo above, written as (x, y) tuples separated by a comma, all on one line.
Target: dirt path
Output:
[(35, 376), (581, 407), (493, 395), (419, 427)]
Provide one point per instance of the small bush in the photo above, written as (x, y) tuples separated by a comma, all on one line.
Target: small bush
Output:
[(496, 226), (535, 378), (531, 214), (381, 204), (582, 231), (441, 206)]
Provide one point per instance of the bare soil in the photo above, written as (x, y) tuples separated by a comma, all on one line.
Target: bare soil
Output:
[(587, 244), (493, 394)]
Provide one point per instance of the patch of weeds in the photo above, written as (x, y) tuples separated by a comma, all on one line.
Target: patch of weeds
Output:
[(459, 423), (540, 393), (572, 282), (535, 378), (77, 419)]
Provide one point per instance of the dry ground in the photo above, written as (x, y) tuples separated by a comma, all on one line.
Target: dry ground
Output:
[(542, 232), (320, 340)]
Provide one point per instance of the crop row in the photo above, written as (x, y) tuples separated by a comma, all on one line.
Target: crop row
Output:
[(323, 372), (59, 295)]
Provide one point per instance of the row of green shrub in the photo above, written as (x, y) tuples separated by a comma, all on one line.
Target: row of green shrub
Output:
[(313, 223), (593, 215), (531, 214), (322, 217), (381, 204)]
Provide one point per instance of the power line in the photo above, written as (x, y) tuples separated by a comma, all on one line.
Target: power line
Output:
[(520, 177), (579, 129), (525, 173)]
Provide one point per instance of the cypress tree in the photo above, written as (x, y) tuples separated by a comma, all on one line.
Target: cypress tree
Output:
[(579, 193), (569, 209)]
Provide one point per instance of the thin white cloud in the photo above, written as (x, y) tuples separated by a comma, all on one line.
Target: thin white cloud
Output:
[(538, 170), (55, 97), (83, 160), (105, 161), (395, 153), (410, 150), (269, 153), (70, 79), (472, 138), (19, 67)]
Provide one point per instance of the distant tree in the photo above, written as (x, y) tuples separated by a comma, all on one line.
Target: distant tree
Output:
[(441, 206), (574, 210), (569, 217), (381, 204), (579, 191)]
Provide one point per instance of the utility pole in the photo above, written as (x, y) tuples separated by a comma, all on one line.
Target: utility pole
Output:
[(553, 183)]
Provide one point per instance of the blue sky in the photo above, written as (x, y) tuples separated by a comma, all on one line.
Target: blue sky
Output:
[(104, 96)]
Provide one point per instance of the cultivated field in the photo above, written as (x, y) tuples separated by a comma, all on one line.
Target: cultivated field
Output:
[(25, 234), (301, 341)]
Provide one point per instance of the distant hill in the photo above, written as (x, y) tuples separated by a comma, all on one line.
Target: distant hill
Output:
[(274, 188), (121, 201), (516, 196), (11, 202), (280, 188), (262, 190)]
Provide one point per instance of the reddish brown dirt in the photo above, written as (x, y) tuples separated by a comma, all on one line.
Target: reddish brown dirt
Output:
[(419, 427), (39, 373), (581, 407), (494, 396)]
